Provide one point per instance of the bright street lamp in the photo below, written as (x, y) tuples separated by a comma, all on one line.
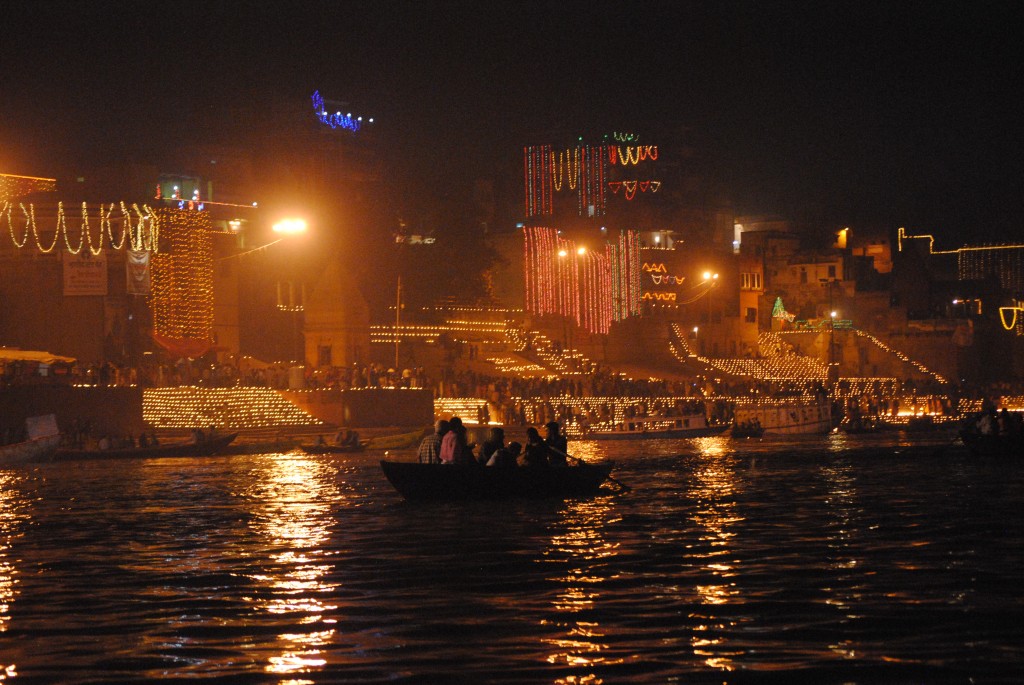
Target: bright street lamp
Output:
[(290, 226)]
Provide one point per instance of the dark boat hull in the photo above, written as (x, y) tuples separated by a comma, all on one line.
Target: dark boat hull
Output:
[(994, 445), (447, 482), (206, 448)]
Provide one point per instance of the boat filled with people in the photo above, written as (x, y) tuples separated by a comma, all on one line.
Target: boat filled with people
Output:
[(994, 434)]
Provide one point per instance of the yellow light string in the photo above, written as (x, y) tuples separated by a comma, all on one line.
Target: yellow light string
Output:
[(556, 171), (10, 226), (573, 168), (35, 230), (144, 229), (1002, 317), (63, 227)]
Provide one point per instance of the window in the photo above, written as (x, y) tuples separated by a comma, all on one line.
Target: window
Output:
[(751, 315), (831, 270)]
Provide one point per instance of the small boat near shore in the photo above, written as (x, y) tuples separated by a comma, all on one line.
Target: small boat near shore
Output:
[(333, 449), (653, 427), (41, 444), (28, 451), (447, 482), (205, 448)]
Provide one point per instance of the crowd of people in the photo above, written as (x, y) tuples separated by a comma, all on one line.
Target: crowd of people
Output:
[(449, 444)]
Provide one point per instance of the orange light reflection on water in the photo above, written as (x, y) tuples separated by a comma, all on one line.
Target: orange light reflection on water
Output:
[(294, 497), (713, 490), (13, 513), (580, 546)]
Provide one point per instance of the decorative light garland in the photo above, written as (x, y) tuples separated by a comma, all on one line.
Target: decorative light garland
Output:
[(337, 120), (631, 155), (632, 186), (140, 232), (13, 185), (546, 172)]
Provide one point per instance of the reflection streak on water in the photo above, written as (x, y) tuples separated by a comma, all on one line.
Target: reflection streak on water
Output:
[(712, 490), (294, 499), (841, 504), (12, 514), (581, 546)]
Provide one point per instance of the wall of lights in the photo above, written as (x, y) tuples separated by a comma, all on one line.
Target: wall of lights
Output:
[(13, 186), (229, 408), (591, 287), (181, 295)]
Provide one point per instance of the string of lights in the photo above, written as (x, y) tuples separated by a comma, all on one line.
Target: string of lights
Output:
[(138, 232)]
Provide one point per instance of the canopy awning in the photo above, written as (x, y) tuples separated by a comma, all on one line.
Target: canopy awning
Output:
[(11, 354)]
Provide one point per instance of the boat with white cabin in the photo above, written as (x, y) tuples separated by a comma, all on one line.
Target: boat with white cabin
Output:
[(651, 427), (786, 417)]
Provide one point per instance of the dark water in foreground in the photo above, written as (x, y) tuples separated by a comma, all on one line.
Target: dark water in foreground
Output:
[(818, 560)]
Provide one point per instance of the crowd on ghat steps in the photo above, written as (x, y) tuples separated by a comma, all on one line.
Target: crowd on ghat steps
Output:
[(520, 400)]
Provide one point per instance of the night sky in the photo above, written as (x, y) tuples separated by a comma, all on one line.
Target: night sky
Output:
[(861, 113)]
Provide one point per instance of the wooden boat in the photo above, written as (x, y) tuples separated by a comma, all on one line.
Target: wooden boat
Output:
[(993, 445), (327, 448), (651, 427), (29, 451), (205, 448), (793, 417), (417, 481), (43, 440)]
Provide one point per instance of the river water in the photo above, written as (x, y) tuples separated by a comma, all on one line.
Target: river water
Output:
[(826, 560)]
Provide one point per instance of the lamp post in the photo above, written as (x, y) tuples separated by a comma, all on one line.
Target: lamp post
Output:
[(833, 370), (292, 226)]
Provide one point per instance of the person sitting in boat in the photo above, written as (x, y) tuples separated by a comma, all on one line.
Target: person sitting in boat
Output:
[(105, 443), (535, 453), (430, 448), (558, 446), (506, 457), (197, 436), (352, 440), (494, 442), (143, 440), (455, 447), (319, 442)]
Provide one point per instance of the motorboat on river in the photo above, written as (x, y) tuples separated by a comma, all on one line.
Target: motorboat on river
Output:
[(649, 427), (417, 481), (786, 417)]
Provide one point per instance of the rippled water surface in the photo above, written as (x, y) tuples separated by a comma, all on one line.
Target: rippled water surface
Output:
[(818, 560)]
